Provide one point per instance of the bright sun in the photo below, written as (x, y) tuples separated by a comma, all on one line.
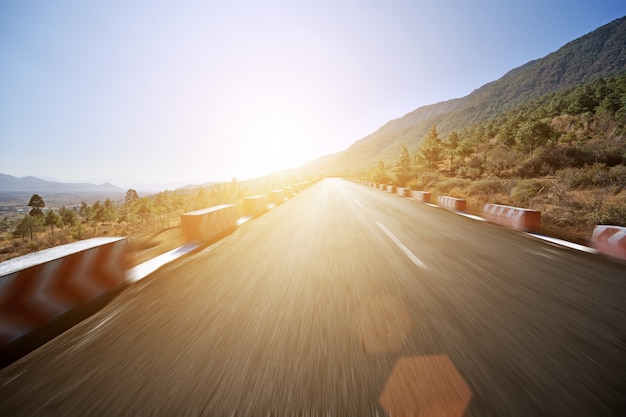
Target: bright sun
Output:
[(276, 150), (275, 140)]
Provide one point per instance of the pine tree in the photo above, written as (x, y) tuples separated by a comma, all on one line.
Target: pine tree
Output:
[(430, 152), (380, 173), (37, 203), (452, 145), (52, 219), (404, 166)]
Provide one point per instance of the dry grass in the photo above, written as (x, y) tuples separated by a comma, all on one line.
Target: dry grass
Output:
[(141, 247), (568, 212)]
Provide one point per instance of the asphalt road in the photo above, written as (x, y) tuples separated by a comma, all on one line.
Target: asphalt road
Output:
[(347, 301)]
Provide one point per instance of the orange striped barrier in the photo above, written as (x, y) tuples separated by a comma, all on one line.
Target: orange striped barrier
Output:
[(421, 196), (39, 287), (451, 203), (403, 191), (610, 240), (391, 188), (514, 217), (207, 225)]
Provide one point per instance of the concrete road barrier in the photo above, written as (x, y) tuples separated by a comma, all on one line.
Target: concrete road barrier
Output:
[(515, 217), (402, 191), (391, 188), (206, 225), (37, 288), (256, 205), (610, 240), (451, 203), (421, 196), (277, 197)]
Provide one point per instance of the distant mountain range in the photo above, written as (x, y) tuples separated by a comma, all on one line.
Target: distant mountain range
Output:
[(30, 184), (601, 53), (9, 183)]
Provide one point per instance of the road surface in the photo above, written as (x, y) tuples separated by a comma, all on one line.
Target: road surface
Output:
[(347, 301)]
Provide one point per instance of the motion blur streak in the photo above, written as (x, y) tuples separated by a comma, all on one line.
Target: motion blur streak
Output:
[(311, 309)]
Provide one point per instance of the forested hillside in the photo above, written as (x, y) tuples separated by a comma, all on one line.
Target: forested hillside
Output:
[(600, 54), (563, 154)]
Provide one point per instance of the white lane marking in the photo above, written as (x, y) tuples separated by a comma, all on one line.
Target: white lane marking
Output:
[(402, 247), (8, 381), (358, 203)]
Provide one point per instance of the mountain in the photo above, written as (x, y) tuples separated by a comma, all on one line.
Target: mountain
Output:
[(9, 183), (601, 53)]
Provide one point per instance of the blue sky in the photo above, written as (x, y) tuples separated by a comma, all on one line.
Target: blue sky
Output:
[(156, 91)]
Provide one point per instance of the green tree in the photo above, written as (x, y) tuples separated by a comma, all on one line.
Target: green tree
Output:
[(104, 212), (533, 134), (96, 212), (85, 211), (131, 196), (68, 217), (452, 145), (52, 219), (430, 152), (380, 175), (37, 203), (5, 224), (404, 166), (108, 211), (466, 148), (145, 210), (28, 226)]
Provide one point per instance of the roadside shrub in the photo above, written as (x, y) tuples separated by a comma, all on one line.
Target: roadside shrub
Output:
[(501, 161), (424, 181), (590, 204), (534, 167), (450, 184), (78, 232), (489, 186), (595, 175), (524, 190), (611, 215), (617, 176), (469, 173)]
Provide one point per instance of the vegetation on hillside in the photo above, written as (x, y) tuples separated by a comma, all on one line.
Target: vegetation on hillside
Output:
[(598, 55), (565, 150)]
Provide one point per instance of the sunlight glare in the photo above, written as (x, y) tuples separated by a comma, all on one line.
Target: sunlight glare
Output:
[(273, 138)]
